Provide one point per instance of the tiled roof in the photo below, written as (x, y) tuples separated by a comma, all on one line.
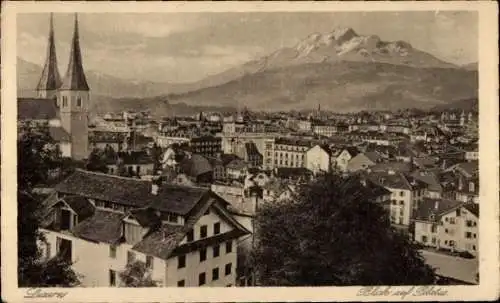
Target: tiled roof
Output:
[(103, 226), (429, 178), (195, 165), (473, 208), (373, 156), (131, 192), (396, 180), (145, 217), (36, 109), (393, 165), (162, 241), (80, 205), (436, 207), (59, 134)]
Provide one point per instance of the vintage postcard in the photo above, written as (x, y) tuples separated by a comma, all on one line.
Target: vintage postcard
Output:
[(249, 151)]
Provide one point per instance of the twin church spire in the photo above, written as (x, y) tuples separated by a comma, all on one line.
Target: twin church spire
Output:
[(74, 78)]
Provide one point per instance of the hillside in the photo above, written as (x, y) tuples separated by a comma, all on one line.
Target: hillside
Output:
[(341, 44), (28, 75), (340, 86)]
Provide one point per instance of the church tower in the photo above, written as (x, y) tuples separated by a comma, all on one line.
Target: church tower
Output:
[(74, 98), (50, 80)]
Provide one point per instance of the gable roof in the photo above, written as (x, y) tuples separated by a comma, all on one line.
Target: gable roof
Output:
[(437, 207), (103, 226), (37, 109), (131, 192), (195, 165), (59, 134)]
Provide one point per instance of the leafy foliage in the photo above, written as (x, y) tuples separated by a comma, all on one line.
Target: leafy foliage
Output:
[(136, 274), (97, 161), (37, 156), (333, 233)]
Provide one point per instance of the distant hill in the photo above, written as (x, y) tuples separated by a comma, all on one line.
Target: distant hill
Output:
[(341, 86), (340, 70), (28, 75), (466, 105)]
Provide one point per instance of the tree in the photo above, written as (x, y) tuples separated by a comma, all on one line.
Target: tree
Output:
[(333, 233), (136, 274), (97, 161), (36, 156)]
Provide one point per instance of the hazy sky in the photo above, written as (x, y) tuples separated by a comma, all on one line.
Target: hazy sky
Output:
[(183, 47)]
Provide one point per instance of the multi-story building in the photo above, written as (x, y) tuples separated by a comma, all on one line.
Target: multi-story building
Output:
[(318, 159), (324, 128), (184, 235), (448, 224), (290, 152), (407, 193)]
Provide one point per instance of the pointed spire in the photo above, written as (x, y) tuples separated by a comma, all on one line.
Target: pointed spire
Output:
[(50, 79), (75, 76)]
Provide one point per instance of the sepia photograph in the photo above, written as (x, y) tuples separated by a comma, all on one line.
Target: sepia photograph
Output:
[(249, 149)]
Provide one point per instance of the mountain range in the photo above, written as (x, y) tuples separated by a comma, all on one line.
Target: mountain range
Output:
[(339, 70)]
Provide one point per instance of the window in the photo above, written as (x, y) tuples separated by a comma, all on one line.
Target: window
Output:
[(474, 236), (452, 220), (433, 228), (181, 261), (216, 250), (227, 269), (203, 231), (190, 236), (468, 223), (452, 243), (112, 278), (79, 101), (424, 239), (203, 254), (229, 247), (433, 240), (458, 212), (401, 202), (112, 251), (65, 101), (473, 247), (215, 274), (181, 283), (130, 257), (217, 228), (468, 235), (402, 193), (446, 230), (149, 262), (201, 279)]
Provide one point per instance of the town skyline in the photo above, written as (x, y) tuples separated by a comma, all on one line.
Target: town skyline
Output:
[(188, 47)]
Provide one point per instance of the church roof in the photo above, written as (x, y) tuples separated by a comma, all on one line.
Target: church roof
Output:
[(36, 109), (50, 79), (75, 76)]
